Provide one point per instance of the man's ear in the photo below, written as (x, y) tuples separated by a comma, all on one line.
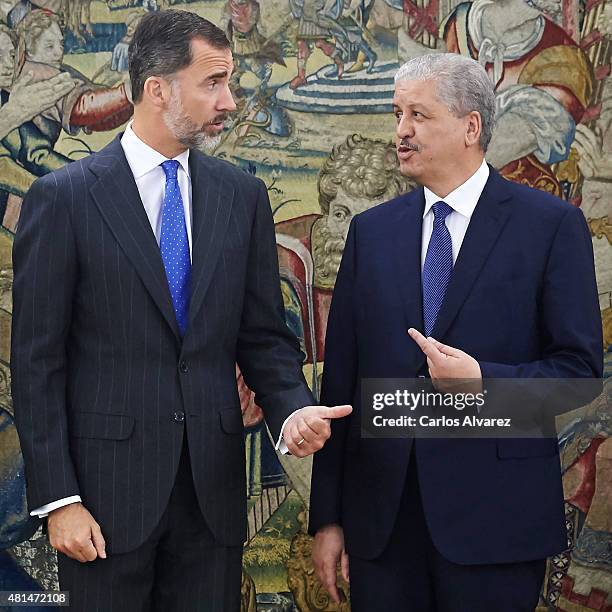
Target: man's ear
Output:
[(157, 91), (473, 129)]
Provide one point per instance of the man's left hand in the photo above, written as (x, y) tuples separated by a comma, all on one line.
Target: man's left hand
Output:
[(309, 428), (451, 370)]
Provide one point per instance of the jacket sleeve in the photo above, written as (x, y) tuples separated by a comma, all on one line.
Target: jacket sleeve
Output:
[(338, 387), (45, 272), (268, 352), (570, 320)]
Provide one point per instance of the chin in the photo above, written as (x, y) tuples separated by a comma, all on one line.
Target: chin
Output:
[(408, 169)]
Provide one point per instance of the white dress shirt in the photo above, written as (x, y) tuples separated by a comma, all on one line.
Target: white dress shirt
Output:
[(145, 164), (463, 201), (150, 179)]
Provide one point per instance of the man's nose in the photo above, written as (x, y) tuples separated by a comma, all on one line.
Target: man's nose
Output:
[(226, 101), (405, 127)]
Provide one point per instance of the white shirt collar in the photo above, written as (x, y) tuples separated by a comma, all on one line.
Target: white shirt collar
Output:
[(142, 158), (463, 199)]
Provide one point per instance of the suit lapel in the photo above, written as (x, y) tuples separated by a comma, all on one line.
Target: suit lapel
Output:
[(116, 195), (488, 220), (406, 245), (212, 199), (407, 249)]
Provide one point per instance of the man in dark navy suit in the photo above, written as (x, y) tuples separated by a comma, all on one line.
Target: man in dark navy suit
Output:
[(143, 273), (468, 277)]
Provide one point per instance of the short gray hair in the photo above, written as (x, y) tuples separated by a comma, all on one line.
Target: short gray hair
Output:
[(462, 83)]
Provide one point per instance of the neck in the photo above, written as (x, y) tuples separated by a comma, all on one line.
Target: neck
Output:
[(152, 130), (448, 182)]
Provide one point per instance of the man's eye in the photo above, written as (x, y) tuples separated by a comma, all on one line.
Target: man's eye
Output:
[(416, 114)]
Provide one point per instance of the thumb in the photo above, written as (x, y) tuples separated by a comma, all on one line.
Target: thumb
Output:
[(445, 349), (344, 566), (337, 412), (98, 541)]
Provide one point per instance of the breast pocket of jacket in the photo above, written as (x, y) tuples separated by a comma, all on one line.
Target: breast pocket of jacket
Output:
[(101, 426)]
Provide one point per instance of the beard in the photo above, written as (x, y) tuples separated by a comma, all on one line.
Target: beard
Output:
[(185, 129), (327, 249)]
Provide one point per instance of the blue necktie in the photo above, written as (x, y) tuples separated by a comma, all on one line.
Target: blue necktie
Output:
[(438, 266), (174, 245)]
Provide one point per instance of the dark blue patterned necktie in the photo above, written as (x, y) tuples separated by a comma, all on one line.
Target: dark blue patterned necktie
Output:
[(438, 266), (174, 245)]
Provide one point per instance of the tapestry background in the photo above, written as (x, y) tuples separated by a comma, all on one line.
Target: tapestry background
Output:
[(314, 84)]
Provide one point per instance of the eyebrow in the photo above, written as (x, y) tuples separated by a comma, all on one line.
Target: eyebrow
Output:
[(416, 106), (217, 75)]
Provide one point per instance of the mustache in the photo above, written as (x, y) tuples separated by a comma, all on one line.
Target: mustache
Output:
[(219, 119), (404, 142)]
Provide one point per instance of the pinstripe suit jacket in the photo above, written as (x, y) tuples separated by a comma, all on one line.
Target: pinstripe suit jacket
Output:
[(101, 378)]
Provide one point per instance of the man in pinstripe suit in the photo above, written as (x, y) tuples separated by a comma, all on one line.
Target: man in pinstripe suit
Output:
[(143, 273)]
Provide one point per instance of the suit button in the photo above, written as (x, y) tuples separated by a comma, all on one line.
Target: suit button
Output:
[(183, 367), (179, 416)]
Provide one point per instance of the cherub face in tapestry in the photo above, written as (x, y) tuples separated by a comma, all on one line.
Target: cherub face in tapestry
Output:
[(359, 174), (43, 39), (7, 57)]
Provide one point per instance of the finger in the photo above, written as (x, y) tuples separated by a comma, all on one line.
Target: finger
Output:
[(582, 139), (320, 426), (591, 137), (98, 541), (586, 147), (586, 151), (344, 566), (77, 556), (73, 550), (306, 448), (432, 368), (290, 439), (327, 412), (445, 349), (337, 412), (418, 337), (63, 87), (428, 348), (62, 77), (88, 551), (306, 433), (329, 582), (598, 134), (292, 436), (60, 81), (24, 79)]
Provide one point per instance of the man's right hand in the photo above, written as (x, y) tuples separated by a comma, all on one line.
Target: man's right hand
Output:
[(327, 552), (73, 531), (28, 99)]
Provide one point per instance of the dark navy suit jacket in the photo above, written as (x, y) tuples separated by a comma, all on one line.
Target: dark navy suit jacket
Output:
[(523, 301), (104, 387)]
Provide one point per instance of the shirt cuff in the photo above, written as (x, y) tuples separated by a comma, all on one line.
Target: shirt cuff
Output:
[(47, 508), (281, 447)]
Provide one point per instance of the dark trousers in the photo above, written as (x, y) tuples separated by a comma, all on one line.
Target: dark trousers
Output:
[(412, 576), (179, 568)]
